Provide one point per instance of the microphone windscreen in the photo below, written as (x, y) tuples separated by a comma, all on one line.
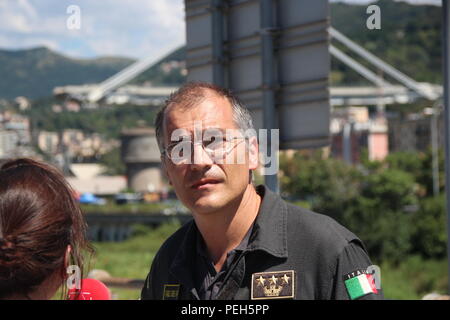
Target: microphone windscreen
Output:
[(91, 289)]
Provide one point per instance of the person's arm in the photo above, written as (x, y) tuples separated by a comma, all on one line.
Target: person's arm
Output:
[(352, 278)]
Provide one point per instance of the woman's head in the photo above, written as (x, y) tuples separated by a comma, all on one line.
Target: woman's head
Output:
[(40, 223)]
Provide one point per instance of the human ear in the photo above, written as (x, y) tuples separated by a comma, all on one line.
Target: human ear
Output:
[(253, 153)]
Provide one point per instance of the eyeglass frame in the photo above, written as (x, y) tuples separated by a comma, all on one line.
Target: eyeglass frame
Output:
[(165, 153)]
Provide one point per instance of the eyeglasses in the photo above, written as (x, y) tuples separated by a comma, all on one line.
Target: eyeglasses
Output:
[(217, 148)]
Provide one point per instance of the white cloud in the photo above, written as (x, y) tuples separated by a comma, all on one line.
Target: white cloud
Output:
[(136, 28), (150, 26), (7, 43)]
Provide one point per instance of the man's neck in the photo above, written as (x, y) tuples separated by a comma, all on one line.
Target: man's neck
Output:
[(224, 230)]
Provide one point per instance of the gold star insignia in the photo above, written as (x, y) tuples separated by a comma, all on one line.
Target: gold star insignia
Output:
[(273, 285), (260, 281)]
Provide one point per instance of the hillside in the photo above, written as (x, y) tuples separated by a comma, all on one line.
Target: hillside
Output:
[(35, 72), (168, 71), (409, 39)]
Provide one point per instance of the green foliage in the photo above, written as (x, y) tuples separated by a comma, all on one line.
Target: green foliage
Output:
[(386, 233), (157, 76), (35, 72), (142, 244), (377, 215), (128, 208), (394, 189), (107, 121), (327, 183), (388, 203), (409, 39), (132, 258), (406, 161), (411, 278), (162, 232), (113, 163), (430, 236), (419, 165), (409, 33)]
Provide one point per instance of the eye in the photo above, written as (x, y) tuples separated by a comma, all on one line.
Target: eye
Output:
[(214, 142), (209, 140), (179, 149)]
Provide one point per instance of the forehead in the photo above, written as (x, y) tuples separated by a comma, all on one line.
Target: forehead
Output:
[(211, 112)]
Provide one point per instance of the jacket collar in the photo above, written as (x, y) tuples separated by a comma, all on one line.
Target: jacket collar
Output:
[(269, 234), (270, 228)]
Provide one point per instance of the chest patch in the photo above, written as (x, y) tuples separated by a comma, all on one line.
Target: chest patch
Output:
[(171, 291), (273, 285)]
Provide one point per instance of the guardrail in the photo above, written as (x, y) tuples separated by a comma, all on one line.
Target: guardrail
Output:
[(118, 227)]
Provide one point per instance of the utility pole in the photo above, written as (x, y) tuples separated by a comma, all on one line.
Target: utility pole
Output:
[(268, 79), (446, 103)]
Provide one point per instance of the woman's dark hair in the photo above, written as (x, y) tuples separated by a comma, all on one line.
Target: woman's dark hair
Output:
[(39, 218)]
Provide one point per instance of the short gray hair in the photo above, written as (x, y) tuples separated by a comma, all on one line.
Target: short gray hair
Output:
[(193, 93)]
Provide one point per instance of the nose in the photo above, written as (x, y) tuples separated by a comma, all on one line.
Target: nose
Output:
[(200, 157)]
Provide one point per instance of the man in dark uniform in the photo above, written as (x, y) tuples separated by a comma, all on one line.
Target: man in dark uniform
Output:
[(244, 242)]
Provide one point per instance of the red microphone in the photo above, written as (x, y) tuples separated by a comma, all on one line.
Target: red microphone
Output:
[(91, 289)]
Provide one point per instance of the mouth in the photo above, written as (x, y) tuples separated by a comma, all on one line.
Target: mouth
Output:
[(204, 183)]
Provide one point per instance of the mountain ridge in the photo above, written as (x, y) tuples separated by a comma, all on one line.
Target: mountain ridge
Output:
[(409, 40)]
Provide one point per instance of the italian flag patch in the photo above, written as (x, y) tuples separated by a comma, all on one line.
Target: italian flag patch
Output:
[(359, 284)]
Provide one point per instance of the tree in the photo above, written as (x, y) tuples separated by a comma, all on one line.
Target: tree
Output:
[(379, 216), (430, 238), (113, 162), (370, 200)]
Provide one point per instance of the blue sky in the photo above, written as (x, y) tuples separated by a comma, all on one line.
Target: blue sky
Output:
[(131, 28)]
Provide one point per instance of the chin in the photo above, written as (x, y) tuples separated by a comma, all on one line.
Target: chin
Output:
[(207, 204)]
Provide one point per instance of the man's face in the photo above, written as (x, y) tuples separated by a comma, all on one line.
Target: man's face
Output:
[(206, 185)]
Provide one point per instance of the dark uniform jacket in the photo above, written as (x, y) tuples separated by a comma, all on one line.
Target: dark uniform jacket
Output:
[(291, 253)]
